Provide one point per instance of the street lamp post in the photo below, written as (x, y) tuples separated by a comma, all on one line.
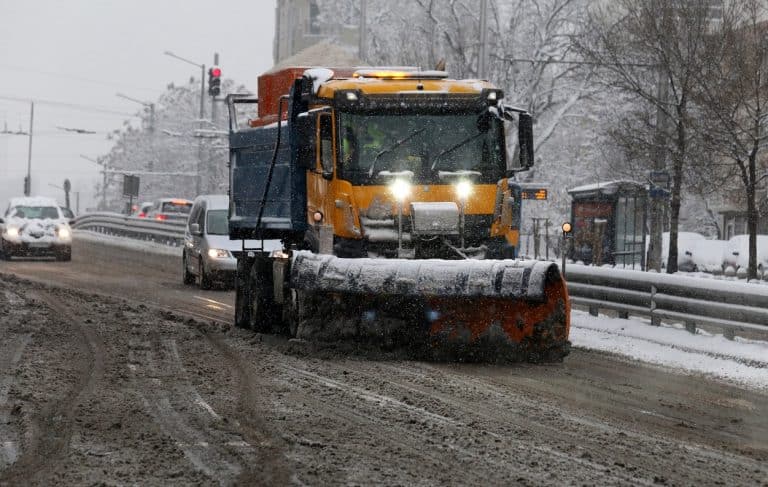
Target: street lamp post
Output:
[(202, 115), (147, 104), (28, 186)]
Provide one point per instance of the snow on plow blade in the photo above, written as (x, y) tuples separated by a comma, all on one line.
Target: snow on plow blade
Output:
[(470, 309)]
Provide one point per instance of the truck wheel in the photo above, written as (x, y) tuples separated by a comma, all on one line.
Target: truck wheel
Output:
[(266, 315), (205, 280), (186, 276), (243, 294)]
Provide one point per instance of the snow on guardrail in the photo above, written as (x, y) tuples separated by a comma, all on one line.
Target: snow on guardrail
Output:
[(169, 232)]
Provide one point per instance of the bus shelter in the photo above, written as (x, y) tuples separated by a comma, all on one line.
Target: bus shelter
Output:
[(609, 221)]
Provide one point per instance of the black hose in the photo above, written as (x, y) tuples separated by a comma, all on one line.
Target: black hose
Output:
[(272, 164)]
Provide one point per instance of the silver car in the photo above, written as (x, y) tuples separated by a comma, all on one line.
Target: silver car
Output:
[(207, 255)]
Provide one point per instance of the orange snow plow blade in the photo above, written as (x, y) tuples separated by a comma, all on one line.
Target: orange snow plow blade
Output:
[(486, 310)]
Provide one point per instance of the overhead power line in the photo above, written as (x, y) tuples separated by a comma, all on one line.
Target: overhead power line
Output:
[(74, 106), (79, 78)]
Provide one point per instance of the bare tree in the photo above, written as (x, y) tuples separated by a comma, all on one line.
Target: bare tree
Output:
[(529, 40), (734, 93), (653, 50)]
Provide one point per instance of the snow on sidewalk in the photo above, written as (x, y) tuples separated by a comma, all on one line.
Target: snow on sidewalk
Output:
[(740, 361)]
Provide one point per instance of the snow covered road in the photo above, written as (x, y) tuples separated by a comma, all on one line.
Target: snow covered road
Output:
[(149, 391)]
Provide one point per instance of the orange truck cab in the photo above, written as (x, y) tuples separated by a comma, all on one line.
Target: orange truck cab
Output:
[(379, 162)]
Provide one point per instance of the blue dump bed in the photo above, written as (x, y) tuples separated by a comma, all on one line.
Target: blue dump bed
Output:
[(250, 155)]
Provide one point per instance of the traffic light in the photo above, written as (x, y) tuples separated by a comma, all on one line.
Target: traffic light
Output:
[(214, 81), (27, 188)]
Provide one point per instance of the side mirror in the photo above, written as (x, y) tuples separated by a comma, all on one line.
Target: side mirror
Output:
[(2, 221), (525, 139), (306, 138), (194, 229)]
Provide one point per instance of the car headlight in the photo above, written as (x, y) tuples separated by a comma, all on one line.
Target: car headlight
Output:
[(463, 189), (218, 253), (64, 233), (12, 231), (400, 189)]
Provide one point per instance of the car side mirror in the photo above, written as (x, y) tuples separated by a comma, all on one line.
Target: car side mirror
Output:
[(306, 139), (2, 221), (194, 229), (525, 139)]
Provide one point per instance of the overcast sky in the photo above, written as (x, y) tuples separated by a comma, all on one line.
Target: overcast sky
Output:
[(82, 52)]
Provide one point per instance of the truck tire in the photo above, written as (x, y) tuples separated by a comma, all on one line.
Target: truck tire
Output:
[(243, 294), (266, 315)]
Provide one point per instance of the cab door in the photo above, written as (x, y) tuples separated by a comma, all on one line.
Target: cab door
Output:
[(319, 201)]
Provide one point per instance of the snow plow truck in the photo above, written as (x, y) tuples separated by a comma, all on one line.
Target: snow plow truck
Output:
[(392, 197)]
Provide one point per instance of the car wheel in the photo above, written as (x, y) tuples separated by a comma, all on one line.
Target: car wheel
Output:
[(186, 276), (205, 280), (65, 255)]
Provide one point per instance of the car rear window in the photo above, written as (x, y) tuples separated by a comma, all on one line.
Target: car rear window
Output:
[(176, 207)]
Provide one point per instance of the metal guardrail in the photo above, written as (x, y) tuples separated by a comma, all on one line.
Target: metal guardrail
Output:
[(732, 306), (170, 232)]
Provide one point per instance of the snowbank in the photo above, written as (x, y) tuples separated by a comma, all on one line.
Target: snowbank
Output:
[(741, 361)]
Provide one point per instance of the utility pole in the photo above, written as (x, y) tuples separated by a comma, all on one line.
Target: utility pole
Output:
[(363, 30), (28, 186), (482, 58)]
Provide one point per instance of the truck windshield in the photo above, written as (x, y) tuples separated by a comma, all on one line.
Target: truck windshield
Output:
[(423, 144)]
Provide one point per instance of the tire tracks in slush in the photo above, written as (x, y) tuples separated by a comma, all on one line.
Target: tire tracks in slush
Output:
[(272, 468), (49, 437), (10, 355), (163, 385), (454, 422), (571, 428)]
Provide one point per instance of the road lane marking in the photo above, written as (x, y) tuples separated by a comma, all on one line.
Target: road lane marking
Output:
[(213, 301)]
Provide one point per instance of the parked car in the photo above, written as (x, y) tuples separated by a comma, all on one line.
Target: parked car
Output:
[(708, 255), (170, 209), (208, 252), (35, 227), (736, 252), (686, 250)]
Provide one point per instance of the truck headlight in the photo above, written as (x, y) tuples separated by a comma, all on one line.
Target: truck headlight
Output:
[(218, 253), (64, 233), (400, 189), (463, 189), (12, 232)]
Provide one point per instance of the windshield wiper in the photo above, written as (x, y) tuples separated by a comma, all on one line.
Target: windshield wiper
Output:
[(393, 147), (451, 149)]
